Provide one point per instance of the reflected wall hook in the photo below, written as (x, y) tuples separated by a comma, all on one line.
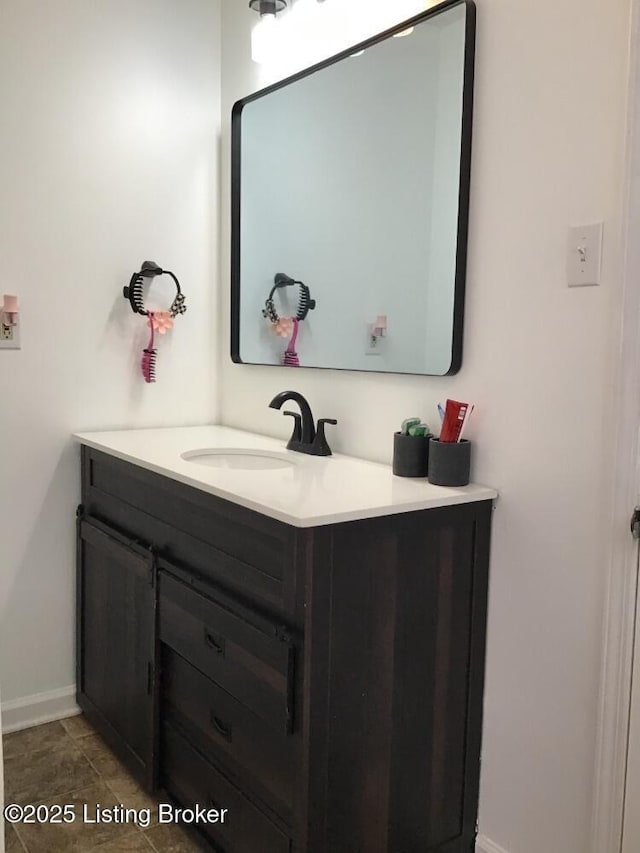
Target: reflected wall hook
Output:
[(305, 302)]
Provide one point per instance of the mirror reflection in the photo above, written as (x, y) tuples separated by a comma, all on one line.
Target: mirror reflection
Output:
[(350, 207)]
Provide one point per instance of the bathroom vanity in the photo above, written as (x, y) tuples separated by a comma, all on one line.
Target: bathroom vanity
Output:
[(300, 640), (294, 639)]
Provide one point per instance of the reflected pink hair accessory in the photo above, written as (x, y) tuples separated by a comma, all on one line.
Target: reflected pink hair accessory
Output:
[(283, 328), (290, 358)]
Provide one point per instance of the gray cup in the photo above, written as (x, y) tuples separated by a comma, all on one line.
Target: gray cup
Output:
[(449, 462), (410, 455)]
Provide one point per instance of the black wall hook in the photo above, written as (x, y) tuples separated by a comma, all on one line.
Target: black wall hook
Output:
[(134, 291)]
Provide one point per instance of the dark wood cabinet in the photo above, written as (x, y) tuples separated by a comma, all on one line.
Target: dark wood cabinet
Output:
[(324, 685), (116, 656)]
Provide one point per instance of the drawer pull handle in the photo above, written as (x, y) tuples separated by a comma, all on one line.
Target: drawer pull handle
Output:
[(214, 642), (224, 730)]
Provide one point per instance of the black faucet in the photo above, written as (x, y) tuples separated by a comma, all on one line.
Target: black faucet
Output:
[(305, 437)]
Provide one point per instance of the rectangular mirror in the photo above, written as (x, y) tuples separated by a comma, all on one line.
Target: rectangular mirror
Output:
[(350, 205)]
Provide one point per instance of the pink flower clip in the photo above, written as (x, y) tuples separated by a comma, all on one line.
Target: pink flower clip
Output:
[(283, 328), (160, 321)]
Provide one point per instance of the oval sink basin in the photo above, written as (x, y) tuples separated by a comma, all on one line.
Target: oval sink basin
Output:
[(238, 459)]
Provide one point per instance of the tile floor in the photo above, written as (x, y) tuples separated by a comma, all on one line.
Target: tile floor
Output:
[(67, 763)]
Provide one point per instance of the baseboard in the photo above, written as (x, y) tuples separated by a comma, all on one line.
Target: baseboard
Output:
[(38, 709), (485, 845)]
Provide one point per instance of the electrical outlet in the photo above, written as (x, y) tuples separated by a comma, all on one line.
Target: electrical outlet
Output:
[(9, 336), (374, 344)]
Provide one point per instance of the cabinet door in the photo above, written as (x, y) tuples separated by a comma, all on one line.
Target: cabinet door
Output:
[(116, 615), (395, 639)]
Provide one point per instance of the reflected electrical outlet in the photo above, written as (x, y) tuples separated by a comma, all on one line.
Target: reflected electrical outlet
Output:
[(374, 344)]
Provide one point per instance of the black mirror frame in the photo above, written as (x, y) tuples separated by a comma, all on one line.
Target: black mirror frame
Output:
[(464, 189)]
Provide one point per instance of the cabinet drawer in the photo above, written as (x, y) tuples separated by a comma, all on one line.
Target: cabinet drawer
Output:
[(243, 535), (189, 777), (236, 548), (252, 662), (231, 734)]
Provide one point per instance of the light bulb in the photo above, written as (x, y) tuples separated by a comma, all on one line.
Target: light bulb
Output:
[(263, 39)]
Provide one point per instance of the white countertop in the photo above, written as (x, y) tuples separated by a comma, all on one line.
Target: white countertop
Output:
[(312, 492)]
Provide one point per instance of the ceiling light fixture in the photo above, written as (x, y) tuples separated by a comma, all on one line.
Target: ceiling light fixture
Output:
[(268, 7), (264, 35)]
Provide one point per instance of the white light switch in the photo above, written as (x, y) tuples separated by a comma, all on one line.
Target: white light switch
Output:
[(585, 255)]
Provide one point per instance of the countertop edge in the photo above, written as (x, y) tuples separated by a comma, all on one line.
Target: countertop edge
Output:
[(293, 521)]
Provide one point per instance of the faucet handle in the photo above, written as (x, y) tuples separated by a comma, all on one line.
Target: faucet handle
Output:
[(320, 444), (296, 435)]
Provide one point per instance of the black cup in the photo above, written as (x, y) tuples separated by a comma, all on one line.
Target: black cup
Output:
[(449, 462), (410, 455)]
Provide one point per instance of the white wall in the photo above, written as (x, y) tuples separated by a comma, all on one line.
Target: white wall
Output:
[(109, 134), (548, 143)]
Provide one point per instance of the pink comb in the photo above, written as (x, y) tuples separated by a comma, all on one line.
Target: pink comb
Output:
[(290, 357), (149, 356)]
